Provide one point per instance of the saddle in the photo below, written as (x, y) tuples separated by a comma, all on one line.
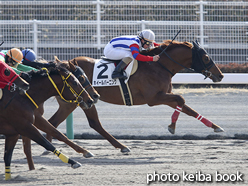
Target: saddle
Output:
[(116, 62)]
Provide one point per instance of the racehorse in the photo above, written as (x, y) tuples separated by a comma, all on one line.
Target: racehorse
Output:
[(151, 84), (17, 115), (44, 125)]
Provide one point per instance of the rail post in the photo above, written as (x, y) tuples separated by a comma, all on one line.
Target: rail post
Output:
[(201, 22), (69, 126), (35, 34)]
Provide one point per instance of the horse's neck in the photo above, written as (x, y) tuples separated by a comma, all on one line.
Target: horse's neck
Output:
[(87, 64), (42, 89), (177, 59)]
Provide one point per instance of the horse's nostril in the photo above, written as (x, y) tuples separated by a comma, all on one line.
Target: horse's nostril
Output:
[(90, 101), (221, 76), (96, 96)]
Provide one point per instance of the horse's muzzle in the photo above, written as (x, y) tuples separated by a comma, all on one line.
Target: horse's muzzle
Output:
[(86, 105), (95, 97), (218, 78)]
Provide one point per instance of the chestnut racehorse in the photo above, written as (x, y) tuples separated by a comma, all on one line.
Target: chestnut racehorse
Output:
[(150, 84), (17, 112)]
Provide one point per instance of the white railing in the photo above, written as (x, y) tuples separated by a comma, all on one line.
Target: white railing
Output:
[(73, 28)]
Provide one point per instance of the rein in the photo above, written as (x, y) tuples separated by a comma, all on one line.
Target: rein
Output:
[(163, 51), (77, 101), (206, 68)]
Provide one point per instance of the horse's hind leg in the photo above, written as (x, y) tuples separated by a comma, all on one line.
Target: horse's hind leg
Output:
[(65, 109), (10, 142), (94, 123)]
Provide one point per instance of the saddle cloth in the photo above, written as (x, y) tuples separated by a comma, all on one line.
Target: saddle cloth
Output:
[(103, 70)]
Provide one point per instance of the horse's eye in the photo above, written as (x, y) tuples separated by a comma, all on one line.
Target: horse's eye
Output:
[(81, 79), (206, 59)]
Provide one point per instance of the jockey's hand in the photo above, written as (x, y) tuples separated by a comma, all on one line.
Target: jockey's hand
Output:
[(156, 58)]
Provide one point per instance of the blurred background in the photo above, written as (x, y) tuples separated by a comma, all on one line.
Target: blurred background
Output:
[(82, 28)]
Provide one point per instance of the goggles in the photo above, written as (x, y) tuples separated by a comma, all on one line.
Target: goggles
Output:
[(148, 43)]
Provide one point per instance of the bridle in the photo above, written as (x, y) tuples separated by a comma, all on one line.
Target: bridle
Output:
[(78, 73), (197, 53), (78, 99)]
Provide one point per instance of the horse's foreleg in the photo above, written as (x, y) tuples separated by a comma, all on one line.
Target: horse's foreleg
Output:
[(94, 123), (61, 114), (10, 142), (31, 132), (45, 126), (27, 150), (189, 111), (175, 101)]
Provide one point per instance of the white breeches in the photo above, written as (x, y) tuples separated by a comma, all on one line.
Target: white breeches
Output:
[(116, 53)]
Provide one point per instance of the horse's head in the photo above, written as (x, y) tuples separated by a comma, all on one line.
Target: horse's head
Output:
[(8, 77), (81, 96), (82, 77), (202, 63)]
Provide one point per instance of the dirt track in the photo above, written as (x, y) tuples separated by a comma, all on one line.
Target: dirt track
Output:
[(181, 158)]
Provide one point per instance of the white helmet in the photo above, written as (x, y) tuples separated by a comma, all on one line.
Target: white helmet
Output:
[(147, 35)]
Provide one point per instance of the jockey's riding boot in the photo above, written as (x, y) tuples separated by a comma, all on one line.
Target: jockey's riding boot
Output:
[(118, 72)]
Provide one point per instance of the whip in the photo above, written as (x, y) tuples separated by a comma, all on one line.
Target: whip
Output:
[(170, 42)]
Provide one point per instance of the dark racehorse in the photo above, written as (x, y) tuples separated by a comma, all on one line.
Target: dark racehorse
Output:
[(151, 84), (44, 125), (17, 112)]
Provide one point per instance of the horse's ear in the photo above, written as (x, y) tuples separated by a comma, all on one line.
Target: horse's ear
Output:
[(71, 65), (196, 44), (75, 62), (57, 59)]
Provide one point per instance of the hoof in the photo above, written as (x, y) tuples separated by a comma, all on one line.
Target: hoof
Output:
[(88, 155), (46, 152), (125, 150), (76, 165), (219, 129), (171, 130)]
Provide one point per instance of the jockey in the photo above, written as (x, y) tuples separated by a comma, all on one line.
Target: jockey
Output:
[(13, 58), (22, 61), (30, 59), (127, 48)]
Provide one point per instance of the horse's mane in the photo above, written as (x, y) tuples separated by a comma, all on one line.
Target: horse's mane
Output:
[(175, 44), (43, 73), (165, 43)]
